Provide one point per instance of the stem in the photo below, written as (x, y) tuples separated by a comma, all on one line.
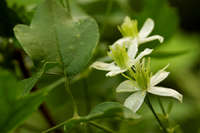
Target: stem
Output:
[(55, 127), (67, 5), (55, 84), (66, 122), (26, 73), (87, 102), (131, 72), (67, 86), (154, 113), (108, 10), (162, 107), (163, 110), (105, 129), (126, 76), (87, 96)]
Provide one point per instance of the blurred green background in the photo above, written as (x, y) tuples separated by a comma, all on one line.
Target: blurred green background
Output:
[(176, 20)]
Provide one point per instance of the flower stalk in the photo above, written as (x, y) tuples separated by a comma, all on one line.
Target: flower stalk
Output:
[(148, 102), (103, 128)]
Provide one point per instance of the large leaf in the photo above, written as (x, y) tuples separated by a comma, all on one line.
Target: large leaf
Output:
[(13, 108), (54, 36)]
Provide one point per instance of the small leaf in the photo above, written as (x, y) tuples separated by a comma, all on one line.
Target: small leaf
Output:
[(27, 84), (103, 110), (110, 109), (13, 108)]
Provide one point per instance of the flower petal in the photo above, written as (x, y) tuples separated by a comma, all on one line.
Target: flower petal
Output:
[(135, 100), (162, 91), (123, 41), (127, 86), (151, 38), (159, 76), (115, 72), (104, 66), (146, 28), (147, 51), (133, 49)]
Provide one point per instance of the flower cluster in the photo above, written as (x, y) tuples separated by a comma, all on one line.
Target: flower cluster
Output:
[(126, 59)]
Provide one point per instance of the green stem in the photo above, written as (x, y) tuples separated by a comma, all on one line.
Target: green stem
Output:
[(105, 129), (55, 127), (67, 86), (67, 5), (126, 76), (108, 10), (55, 84), (154, 113), (162, 107), (87, 96), (131, 72)]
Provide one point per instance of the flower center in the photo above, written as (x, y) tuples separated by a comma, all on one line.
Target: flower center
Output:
[(143, 74), (129, 28), (119, 54)]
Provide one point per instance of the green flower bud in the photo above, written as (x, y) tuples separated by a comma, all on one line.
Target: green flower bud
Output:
[(129, 28), (119, 54)]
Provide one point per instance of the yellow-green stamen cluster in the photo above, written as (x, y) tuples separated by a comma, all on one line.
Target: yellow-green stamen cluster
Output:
[(143, 74), (119, 54), (129, 28)]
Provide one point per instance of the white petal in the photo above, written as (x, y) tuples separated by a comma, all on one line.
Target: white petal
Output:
[(162, 91), (146, 28), (123, 41), (127, 86), (104, 66), (133, 49), (147, 51), (159, 76), (135, 100), (151, 38), (115, 72)]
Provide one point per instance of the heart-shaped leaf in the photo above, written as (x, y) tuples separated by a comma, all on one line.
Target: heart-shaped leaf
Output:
[(55, 36)]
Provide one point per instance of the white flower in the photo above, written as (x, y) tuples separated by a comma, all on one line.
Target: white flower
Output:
[(145, 84), (129, 30), (123, 59)]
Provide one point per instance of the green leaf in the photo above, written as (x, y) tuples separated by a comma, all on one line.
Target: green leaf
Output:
[(22, 2), (103, 110), (110, 109), (185, 46), (14, 109), (165, 54), (54, 36), (161, 13), (27, 84)]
